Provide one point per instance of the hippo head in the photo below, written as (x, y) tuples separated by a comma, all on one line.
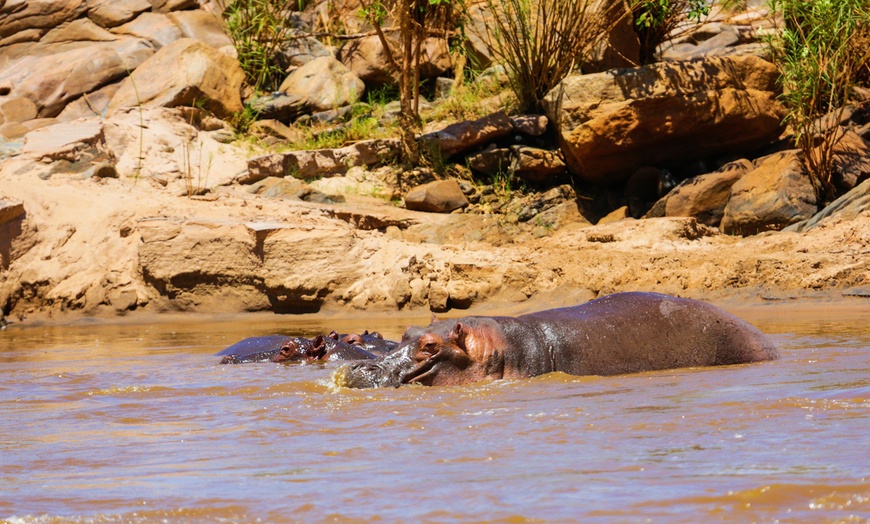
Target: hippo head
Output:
[(437, 355), (299, 348)]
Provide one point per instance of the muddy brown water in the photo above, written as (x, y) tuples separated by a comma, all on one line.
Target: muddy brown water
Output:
[(139, 423)]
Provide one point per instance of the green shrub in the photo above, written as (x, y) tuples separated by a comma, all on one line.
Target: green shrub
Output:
[(820, 51), (258, 29), (654, 20), (541, 41)]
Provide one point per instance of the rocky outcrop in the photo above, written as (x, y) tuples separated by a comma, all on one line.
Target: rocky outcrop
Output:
[(320, 162), (663, 114), (184, 73), (703, 197), (848, 207), (770, 197)]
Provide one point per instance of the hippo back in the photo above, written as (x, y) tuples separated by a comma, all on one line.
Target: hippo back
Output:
[(634, 332)]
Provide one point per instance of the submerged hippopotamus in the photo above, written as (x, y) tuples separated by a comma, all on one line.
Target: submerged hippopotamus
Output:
[(372, 342), (280, 348), (620, 333), (320, 348), (257, 349)]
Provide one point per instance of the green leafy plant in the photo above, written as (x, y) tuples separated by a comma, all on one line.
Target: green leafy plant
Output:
[(258, 29), (821, 50), (654, 20), (540, 41)]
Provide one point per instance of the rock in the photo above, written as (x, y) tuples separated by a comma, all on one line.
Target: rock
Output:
[(52, 81), (851, 160), (95, 103), (16, 130), (278, 106), (704, 197), (184, 73), (443, 87), (276, 129), (19, 16), (491, 161), (847, 207), (300, 50), (324, 83), (665, 113), (620, 47), (157, 28), (111, 13), (462, 136), (63, 140), (530, 125), (441, 196), (435, 58), (11, 217), (173, 5), (203, 26), (620, 213), (775, 194), (366, 59), (274, 187), (10, 211), (537, 166), (713, 44), (478, 17), (320, 162), (532, 205), (16, 109)]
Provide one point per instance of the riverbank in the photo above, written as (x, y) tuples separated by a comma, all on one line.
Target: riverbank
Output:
[(113, 249)]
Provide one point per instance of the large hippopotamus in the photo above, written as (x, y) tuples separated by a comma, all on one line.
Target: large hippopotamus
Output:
[(619, 333)]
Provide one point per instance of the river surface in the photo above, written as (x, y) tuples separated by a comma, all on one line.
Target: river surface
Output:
[(139, 423)]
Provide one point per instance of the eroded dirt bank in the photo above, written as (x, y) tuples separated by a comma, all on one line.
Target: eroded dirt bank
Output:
[(91, 246)]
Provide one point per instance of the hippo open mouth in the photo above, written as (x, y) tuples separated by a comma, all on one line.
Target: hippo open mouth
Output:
[(389, 371)]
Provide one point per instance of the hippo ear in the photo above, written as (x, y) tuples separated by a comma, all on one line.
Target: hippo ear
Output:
[(458, 335), (319, 347), (333, 335)]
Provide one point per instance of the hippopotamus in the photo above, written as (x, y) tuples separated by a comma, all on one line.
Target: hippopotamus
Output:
[(320, 348), (280, 348), (256, 349), (372, 342), (615, 334)]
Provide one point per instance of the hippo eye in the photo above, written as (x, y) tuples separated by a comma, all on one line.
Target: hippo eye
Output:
[(429, 348)]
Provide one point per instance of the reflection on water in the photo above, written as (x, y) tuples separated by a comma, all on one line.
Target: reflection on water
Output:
[(140, 423)]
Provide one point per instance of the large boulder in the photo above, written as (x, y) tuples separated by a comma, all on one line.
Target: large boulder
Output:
[(324, 83), (620, 46), (775, 194), (368, 60), (703, 197), (847, 207), (663, 114), (184, 73), (441, 196), (157, 28), (54, 80), (466, 135), (32, 18), (111, 13)]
